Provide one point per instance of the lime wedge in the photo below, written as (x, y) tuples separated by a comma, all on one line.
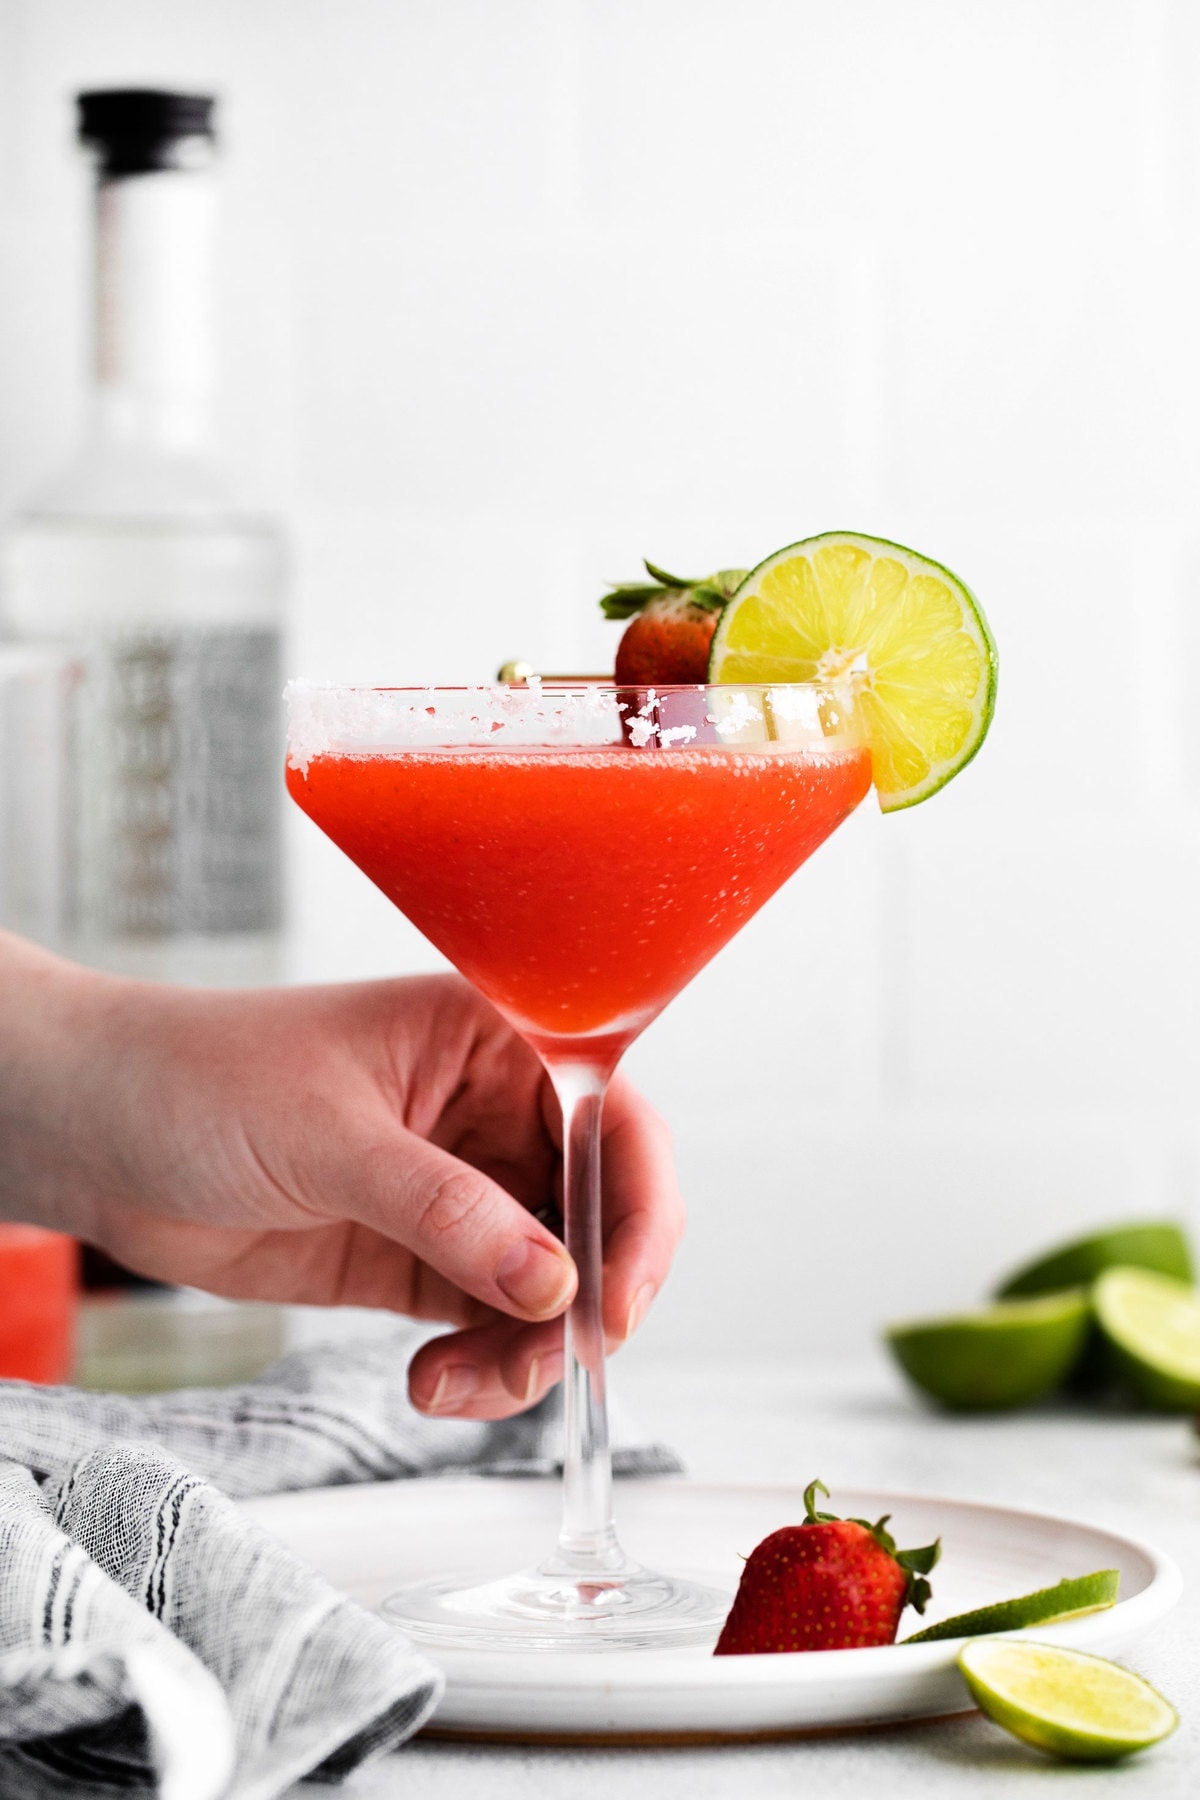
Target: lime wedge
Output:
[(1151, 1324), (846, 604), (1065, 1600), (1064, 1702), (1004, 1355), (1142, 1244)]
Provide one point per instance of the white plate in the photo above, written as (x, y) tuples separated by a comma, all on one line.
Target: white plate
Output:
[(371, 1540)]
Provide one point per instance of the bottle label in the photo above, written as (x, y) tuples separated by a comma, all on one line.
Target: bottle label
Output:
[(181, 746)]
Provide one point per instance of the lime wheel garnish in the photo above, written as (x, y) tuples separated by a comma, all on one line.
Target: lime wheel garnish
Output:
[(910, 634)]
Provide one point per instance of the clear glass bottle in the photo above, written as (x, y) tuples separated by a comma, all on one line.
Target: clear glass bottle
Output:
[(138, 557)]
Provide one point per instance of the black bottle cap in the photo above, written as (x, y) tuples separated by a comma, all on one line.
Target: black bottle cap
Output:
[(136, 130)]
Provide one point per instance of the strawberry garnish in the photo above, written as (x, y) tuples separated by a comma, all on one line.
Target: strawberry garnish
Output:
[(672, 620), (828, 1584)]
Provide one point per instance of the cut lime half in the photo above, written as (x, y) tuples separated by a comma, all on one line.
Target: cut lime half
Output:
[(1142, 1244), (1065, 1702), (1004, 1355), (910, 633), (1065, 1600), (1151, 1323)]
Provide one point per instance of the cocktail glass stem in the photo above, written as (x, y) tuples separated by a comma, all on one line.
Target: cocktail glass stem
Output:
[(587, 1593), (587, 1547)]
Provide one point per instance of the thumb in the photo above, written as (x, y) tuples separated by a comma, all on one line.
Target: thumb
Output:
[(466, 1227)]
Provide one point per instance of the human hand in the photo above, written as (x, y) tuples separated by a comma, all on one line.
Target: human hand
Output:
[(382, 1144)]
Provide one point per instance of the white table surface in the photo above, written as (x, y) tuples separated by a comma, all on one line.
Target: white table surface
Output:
[(860, 1428)]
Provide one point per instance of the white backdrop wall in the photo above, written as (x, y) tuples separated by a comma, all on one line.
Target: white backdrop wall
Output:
[(519, 290)]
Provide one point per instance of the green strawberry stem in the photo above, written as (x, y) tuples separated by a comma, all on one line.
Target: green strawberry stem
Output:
[(916, 1563), (710, 592)]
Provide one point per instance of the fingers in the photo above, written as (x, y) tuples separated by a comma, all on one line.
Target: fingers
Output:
[(464, 1227), (643, 1208), (488, 1373), (331, 1265)]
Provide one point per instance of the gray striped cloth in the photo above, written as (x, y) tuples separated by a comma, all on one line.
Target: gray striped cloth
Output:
[(151, 1638)]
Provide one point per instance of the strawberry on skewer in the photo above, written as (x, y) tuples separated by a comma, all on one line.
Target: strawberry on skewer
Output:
[(671, 625), (828, 1584)]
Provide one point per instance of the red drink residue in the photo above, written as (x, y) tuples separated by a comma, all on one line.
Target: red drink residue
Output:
[(580, 889)]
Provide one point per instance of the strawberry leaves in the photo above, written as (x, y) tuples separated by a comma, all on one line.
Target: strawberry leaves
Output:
[(709, 592), (917, 1564)]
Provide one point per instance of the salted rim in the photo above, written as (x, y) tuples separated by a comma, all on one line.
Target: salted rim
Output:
[(326, 717)]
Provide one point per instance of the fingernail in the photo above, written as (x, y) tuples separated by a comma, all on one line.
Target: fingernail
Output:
[(536, 1279), (544, 1371), (456, 1383), (639, 1307)]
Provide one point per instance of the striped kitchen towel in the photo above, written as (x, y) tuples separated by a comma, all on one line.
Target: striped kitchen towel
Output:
[(151, 1637)]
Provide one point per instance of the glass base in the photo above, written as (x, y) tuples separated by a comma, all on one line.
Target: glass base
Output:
[(540, 1610)]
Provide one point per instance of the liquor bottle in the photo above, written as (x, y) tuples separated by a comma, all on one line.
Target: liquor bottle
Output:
[(168, 594)]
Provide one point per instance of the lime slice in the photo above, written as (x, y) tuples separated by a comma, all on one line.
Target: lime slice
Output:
[(843, 604), (1143, 1244), (1065, 1600), (1005, 1355), (1151, 1324), (1064, 1702)]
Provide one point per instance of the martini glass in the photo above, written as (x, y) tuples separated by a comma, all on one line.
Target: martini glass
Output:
[(578, 852)]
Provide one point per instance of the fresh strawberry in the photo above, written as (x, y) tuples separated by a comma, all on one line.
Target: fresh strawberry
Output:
[(672, 621), (829, 1584)]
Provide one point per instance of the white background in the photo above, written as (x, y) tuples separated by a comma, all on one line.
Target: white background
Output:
[(519, 290)]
